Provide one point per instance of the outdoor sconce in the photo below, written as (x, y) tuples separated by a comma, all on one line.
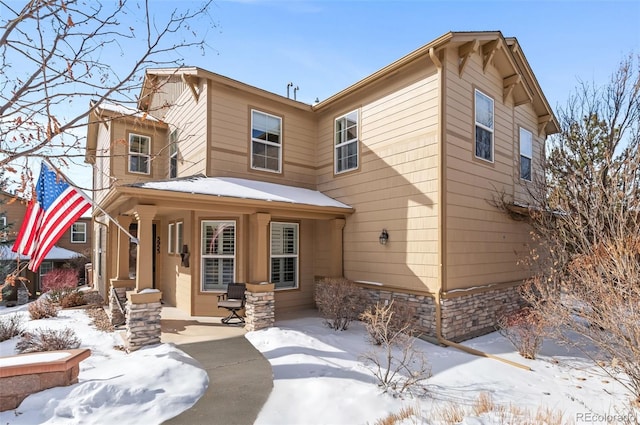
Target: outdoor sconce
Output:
[(184, 255), (384, 237)]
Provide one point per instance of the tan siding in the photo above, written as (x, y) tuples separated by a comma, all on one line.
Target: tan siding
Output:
[(482, 243), (230, 119), (396, 186), (190, 119)]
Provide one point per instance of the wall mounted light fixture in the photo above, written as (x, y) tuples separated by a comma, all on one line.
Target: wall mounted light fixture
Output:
[(384, 237)]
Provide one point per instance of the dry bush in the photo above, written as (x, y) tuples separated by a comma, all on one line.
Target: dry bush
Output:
[(47, 340), (60, 279), (72, 298), (525, 329), (404, 414), (100, 319), (452, 413), (42, 308), (397, 365), (400, 317), (483, 404), (339, 301), (10, 325), (93, 298)]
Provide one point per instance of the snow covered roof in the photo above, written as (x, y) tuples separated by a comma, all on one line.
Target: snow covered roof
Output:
[(56, 253), (246, 189), (126, 111)]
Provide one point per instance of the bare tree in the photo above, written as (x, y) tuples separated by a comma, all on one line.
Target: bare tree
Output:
[(57, 55), (586, 225)]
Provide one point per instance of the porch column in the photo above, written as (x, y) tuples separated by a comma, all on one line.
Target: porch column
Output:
[(259, 247), (123, 248), (144, 266), (335, 262)]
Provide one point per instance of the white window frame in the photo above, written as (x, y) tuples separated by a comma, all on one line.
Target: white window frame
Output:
[(47, 266), (295, 255), (3, 229), (145, 156), (524, 154), (483, 126), (344, 142), (173, 154), (204, 256), (170, 238), (266, 143), (82, 232), (179, 236)]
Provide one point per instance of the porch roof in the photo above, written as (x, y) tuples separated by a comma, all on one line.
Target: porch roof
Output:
[(232, 187)]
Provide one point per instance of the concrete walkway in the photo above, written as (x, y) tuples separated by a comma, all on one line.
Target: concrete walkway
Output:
[(240, 378)]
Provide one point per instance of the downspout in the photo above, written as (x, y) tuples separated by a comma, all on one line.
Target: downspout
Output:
[(442, 225)]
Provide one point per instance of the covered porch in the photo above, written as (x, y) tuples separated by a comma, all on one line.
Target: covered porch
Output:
[(197, 234)]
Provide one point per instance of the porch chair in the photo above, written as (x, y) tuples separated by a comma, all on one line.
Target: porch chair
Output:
[(233, 300)]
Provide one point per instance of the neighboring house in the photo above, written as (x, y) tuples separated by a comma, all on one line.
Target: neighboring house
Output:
[(259, 187), (75, 242)]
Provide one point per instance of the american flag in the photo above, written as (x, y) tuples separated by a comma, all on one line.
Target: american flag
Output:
[(54, 208)]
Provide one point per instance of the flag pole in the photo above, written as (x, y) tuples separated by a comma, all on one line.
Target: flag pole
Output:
[(95, 205)]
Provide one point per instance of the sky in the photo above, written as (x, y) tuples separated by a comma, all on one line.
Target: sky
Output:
[(323, 47), (320, 377)]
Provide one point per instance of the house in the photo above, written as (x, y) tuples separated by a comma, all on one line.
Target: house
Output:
[(387, 183), (73, 244)]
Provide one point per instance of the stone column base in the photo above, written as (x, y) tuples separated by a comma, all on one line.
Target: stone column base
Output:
[(260, 306), (143, 319)]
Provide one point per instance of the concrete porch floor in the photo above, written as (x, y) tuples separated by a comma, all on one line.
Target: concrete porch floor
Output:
[(180, 328)]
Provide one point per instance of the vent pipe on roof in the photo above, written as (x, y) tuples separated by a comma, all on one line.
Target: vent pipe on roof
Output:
[(294, 92), (289, 85)]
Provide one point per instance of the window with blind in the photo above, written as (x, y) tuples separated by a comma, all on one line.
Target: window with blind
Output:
[(170, 238), (346, 142), (284, 255), (218, 254)]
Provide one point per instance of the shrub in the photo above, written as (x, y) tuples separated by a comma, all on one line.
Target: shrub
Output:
[(48, 340), (72, 298), (10, 326), (525, 331), (397, 364), (399, 316), (42, 309), (340, 301), (60, 280)]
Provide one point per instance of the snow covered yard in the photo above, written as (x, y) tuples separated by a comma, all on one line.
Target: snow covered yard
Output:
[(320, 379)]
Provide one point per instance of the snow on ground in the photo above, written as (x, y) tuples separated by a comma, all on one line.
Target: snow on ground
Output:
[(148, 386), (318, 379)]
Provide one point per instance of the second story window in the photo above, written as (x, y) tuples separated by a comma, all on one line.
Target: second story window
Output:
[(173, 154), (139, 153), (484, 126), (79, 233), (526, 154), (346, 142), (266, 142)]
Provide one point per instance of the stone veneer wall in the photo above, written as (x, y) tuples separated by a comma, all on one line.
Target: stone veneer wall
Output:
[(259, 310), (475, 314), (463, 317), (143, 324), (423, 305)]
